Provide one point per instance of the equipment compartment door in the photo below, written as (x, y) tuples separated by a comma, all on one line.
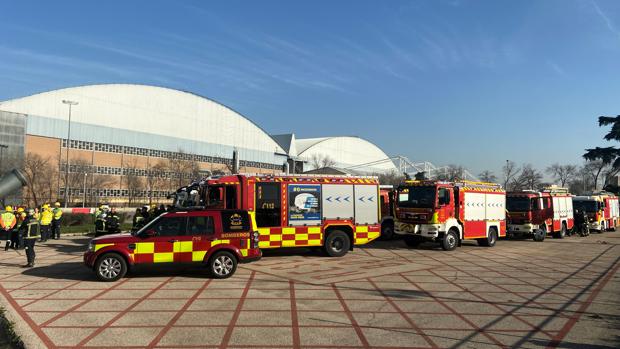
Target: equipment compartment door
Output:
[(366, 204), (338, 201)]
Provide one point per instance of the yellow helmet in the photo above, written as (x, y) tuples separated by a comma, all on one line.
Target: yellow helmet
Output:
[(45, 206), (20, 209), (57, 204), (9, 209)]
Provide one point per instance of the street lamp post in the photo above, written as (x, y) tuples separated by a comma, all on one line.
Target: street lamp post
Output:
[(70, 103), (84, 201)]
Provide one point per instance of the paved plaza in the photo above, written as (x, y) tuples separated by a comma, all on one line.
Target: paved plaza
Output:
[(555, 294)]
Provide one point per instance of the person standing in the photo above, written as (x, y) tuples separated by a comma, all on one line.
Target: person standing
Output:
[(46, 222), (16, 241), (113, 222), (30, 230), (56, 220), (7, 223), (100, 221)]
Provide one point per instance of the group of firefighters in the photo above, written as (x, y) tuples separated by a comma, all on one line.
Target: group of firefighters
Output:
[(24, 226), (107, 220)]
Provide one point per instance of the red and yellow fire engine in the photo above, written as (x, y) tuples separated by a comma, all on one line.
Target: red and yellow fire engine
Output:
[(537, 214), (333, 212), (449, 212), (611, 210)]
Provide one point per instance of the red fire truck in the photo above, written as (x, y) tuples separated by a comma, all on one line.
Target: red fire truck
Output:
[(536, 214), (449, 212), (611, 210), (333, 212)]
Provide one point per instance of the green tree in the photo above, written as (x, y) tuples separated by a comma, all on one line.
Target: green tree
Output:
[(608, 156)]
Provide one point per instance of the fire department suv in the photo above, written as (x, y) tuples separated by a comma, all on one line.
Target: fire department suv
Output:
[(536, 214), (218, 238), (449, 212), (332, 212)]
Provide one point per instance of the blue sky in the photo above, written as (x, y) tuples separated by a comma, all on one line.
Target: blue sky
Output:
[(465, 82)]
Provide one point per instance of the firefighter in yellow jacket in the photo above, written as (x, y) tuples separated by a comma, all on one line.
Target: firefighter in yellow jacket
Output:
[(57, 212), (46, 222), (7, 223), (30, 230)]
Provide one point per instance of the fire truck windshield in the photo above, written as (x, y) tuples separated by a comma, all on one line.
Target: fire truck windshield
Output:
[(586, 205), (417, 197), (518, 204)]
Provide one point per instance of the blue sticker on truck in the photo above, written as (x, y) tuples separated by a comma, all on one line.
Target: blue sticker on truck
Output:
[(304, 203)]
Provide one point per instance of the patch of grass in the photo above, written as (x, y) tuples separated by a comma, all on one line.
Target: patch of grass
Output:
[(8, 329)]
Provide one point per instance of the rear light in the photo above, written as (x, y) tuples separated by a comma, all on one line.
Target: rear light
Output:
[(255, 239)]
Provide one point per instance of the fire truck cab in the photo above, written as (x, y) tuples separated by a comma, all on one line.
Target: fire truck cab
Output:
[(332, 212), (610, 210), (218, 239), (386, 195), (536, 214), (594, 208), (449, 212)]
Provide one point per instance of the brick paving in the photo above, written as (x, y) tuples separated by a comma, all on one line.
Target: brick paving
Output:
[(555, 294)]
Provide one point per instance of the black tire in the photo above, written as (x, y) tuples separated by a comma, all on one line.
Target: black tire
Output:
[(413, 241), (539, 235), (450, 240), (387, 231), (337, 244), (222, 265), (110, 267), (490, 240)]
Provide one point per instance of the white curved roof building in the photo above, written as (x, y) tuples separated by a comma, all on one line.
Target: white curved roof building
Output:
[(147, 117), (347, 152)]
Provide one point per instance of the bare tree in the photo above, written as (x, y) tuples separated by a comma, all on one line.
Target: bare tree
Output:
[(510, 173), (319, 161), (156, 179), (530, 178), (182, 169), (562, 173), (36, 170), (99, 182), (133, 181), (487, 176)]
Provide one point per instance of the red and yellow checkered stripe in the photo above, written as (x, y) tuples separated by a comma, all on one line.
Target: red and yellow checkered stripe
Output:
[(310, 236)]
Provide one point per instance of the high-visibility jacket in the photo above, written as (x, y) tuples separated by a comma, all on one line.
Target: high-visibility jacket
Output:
[(57, 213), (7, 220), (46, 217), (30, 229)]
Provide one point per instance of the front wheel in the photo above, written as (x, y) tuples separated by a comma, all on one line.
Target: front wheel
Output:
[(450, 241), (539, 235), (562, 233), (110, 267), (222, 265)]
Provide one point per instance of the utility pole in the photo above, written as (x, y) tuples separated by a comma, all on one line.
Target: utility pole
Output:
[(70, 103)]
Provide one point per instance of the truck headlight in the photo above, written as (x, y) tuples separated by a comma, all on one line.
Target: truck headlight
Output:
[(91, 247)]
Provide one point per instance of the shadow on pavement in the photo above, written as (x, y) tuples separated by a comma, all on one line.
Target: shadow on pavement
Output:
[(571, 345)]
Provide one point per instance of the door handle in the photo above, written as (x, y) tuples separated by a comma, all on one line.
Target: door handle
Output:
[(173, 241)]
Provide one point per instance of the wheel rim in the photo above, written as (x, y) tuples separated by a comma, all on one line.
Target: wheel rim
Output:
[(110, 268), (336, 244), (223, 265), (451, 240)]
